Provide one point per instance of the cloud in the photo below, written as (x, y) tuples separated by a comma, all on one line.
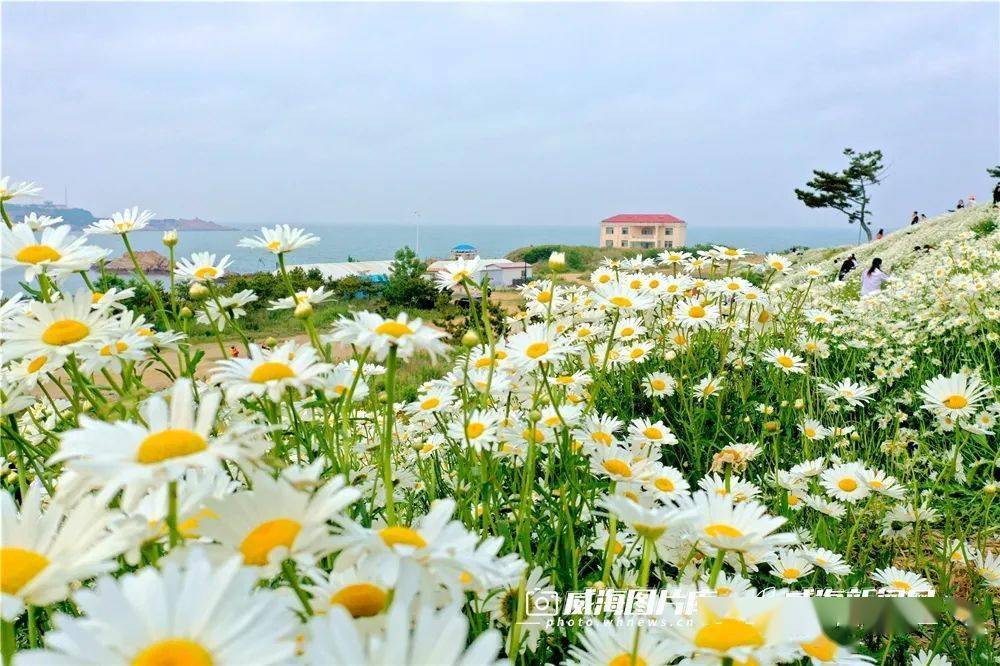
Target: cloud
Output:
[(494, 112)]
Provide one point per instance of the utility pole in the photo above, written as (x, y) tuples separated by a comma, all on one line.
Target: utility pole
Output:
[(416, 214)]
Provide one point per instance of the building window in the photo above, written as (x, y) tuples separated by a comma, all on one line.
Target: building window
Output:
[(624, 243), (625, 231), (670, 232), (647, 231), (609, 230), (609, 243)]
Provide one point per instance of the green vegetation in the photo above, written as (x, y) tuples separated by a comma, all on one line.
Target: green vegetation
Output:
[(585, 258)]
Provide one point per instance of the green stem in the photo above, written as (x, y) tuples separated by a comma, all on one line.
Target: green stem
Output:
[(175, 535), (288, 568), (716, 568), (8, 638), (149, 285), (390, 397)]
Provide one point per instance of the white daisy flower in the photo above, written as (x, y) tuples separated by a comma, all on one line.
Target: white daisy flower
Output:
[(44, 551), (280, 239), (202, 267), (190, 612), (122, 222), (275, 521), (133, 456), (54, 252), (289, 367)]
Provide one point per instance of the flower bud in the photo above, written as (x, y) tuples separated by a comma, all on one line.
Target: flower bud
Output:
[(557, 261), (271, 341), (303, 310), (198, 292), (470, 339), (670, 355), (534, 416), (186, 312), (170, 238)]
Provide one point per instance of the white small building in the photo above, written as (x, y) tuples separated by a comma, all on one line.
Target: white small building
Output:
[(502, 272), (377, 270)]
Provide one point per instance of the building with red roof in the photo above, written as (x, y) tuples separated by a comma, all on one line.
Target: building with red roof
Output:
[(643, 231)]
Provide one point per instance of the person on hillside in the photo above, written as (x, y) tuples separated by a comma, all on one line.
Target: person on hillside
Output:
[(915, 218), (849, 265), (880, 234), (996, 195), (923, 216), (972, 200), (960, 205), (234, 352), (872, 279)]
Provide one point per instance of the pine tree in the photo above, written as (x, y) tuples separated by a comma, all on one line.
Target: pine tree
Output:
[(849, 190)]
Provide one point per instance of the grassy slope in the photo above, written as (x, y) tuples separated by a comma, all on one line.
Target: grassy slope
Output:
[(896, 248)]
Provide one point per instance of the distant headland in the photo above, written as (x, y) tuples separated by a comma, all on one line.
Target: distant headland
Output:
[(78, 218)]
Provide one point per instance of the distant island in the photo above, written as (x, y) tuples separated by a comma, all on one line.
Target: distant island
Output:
[(78, 218)]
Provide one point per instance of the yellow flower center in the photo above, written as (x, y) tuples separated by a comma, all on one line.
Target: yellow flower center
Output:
[(36, 254), (621, 301), (658, 384), (394, 329), (696, 312), (627, 331), (791, 573), (65, 332), (618, 467), (273, 245), (847, 485), (664, 484), (564, 379), (171, 443), (174, 652), (119, 348), (604, 279), (955, 402), (18, 566), (653, 433), (538, 435), (638, 352), (474, 429), (206, 272), (189, 527), (722, 530), (401, 535), (821, 648), (96, 297), (537, 349), (430, 403), (728, 633), (902, 585), (792, 499), (809, 432), (785, 361), (145, 332), (601, 438), (635, 284), (266, 537), (625, 659), (37, 364), (723, 591), (270, 371), (361, 599), (544, 296), (876, 484)]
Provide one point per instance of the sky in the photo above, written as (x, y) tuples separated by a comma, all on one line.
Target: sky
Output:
[(497, 113)]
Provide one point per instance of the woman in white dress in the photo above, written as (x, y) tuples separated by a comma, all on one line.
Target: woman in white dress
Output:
[(872, 279)]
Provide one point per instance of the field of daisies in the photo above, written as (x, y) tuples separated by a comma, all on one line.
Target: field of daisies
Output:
[(718, 423)]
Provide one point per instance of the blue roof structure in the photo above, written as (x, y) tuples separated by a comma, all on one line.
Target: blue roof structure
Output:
[(463, 247)]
